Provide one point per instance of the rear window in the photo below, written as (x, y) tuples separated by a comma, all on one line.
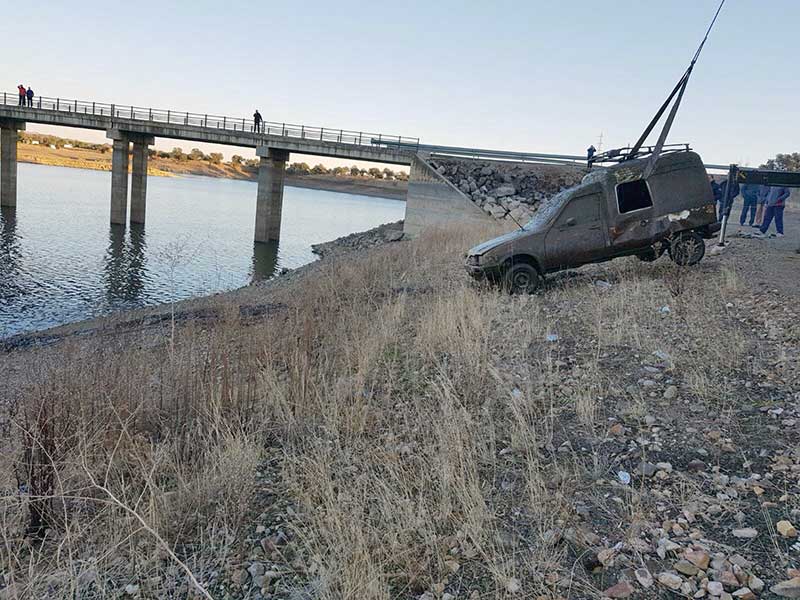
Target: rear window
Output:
[(633, 195)]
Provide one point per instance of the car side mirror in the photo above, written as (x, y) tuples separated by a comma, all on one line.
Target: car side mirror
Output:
[(571, 222)]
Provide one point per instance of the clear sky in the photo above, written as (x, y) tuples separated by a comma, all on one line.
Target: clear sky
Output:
[(535, 75)]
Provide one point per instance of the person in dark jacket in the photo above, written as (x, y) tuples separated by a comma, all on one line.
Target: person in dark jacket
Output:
[(727, 202), (29, 95), (750, 200), (257, 120), (776, 202), (21, 90), (717, 191)]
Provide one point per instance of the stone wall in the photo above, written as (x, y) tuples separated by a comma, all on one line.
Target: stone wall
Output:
[(504, 189)]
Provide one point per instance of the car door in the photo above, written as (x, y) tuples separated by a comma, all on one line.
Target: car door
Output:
[(632, 225), (578, 235)]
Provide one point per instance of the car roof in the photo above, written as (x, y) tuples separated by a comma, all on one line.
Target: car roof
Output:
[(634, 169)]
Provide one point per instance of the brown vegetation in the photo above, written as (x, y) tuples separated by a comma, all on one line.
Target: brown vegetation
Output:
[(381, 428)]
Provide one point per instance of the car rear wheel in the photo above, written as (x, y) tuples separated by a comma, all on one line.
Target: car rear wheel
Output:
[(521, 278), (687, 249)]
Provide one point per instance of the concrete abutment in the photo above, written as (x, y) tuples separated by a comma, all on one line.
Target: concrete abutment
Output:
[(9, 135), (433, 201), (269, 201)]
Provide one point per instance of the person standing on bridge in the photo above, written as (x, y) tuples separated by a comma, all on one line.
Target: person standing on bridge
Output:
[(29, 95), (257, 121), (21, 89), (590, 152)]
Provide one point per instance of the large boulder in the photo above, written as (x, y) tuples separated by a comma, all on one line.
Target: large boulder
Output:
[(504, 190), (497, 211)]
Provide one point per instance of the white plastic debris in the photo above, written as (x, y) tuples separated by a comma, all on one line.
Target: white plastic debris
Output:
[(624, 477), (552, 337)]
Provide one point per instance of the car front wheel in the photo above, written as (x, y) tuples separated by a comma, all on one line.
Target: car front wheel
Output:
[(521, 278)]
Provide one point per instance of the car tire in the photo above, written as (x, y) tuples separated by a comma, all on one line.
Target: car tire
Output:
[(521, 278), (687, 249)]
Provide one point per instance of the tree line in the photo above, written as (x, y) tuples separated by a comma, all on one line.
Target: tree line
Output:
[(296, 168), (784, 162), (354, 171)]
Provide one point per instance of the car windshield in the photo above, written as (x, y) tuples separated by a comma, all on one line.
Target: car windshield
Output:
[(547, 210)]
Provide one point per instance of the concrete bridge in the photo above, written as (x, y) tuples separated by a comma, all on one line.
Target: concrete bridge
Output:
[(126, 125), (431, 200)]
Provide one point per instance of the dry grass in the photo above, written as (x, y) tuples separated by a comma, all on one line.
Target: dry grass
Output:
[(419, 417)]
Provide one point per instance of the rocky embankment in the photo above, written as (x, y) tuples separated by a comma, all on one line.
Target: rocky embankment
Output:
[(508, 190)]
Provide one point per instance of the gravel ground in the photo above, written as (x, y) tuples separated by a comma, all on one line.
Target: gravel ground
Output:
[(689, 481)]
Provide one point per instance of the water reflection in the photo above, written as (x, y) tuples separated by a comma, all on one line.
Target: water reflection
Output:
[(125, 264), (60, 262), (265, 260), (10, 254)]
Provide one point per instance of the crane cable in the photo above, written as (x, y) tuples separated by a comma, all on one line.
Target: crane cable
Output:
[(679, 89)]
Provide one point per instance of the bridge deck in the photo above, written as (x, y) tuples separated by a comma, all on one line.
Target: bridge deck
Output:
[(320, 141)]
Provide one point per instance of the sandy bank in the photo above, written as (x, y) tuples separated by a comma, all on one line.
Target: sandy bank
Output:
[(81, 158)]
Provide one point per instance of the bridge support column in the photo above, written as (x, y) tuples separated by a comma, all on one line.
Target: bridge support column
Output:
[(119, 178), (9, 135), (139, 178), (269, 203)]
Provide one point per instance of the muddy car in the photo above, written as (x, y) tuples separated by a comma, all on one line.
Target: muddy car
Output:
[(613, 212)]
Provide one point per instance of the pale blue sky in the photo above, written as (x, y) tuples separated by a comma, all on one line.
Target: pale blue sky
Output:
[(532, 75)]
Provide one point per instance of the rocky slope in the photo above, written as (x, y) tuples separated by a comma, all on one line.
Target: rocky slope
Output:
[(505, 190)]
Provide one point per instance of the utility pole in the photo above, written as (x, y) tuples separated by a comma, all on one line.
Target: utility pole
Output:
[(600, 143)]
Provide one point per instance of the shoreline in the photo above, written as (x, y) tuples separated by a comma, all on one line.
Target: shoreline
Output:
[(93, 160), (199, 307)]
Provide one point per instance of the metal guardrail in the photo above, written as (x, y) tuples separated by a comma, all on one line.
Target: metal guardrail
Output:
[(530, 157), (478, 153), (235, 124)]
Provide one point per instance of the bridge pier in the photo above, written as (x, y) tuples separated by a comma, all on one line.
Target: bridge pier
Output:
[(9, 135), (269, 201), (139, 178), (119, 177)]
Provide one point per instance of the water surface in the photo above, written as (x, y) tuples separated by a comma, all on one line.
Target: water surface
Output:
[(61, 261)]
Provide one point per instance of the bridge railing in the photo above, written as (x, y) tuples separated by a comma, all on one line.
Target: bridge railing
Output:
[(235, 124)]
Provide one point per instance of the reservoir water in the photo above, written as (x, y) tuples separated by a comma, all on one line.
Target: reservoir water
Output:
[(61, 261)]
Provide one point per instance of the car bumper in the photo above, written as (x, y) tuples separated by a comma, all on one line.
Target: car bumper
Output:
[(481, 272), (710, 230)]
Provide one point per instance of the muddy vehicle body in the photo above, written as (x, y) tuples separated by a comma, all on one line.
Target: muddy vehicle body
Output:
[(617, 211)]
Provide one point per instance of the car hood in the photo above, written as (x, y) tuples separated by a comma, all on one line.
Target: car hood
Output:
[(498, 241)]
